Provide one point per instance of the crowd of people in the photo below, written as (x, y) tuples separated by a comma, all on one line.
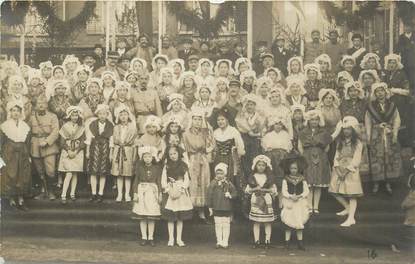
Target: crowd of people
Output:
[(180, 134)]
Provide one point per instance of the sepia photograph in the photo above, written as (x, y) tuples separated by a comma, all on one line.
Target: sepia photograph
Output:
[(200, 132)]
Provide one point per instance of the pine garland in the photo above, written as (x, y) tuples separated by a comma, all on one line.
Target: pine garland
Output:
[(207, 27), (13, 14)]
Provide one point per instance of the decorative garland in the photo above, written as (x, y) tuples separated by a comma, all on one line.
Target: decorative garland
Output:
[(13, 13), (207, 27)]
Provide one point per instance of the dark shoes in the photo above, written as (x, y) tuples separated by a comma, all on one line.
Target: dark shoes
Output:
[(93, 198), (100, 198), (145, 242), (300, 245), (256, 244)]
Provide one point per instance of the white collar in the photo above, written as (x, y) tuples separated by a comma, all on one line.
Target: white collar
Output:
[(17, 133)]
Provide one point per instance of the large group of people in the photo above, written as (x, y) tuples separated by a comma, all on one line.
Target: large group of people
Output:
[(183, 134)]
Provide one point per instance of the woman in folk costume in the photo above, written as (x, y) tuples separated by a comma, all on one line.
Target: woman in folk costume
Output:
[(58, 73), (132, 78), (199, 144), (99, 135), (15, 137), (178, 68), (264, 86), (328, 77), (229, 148), (295, 92), (93, 98), (371, 61), (123, 150), (188, 88), (108, 85), (366, 79), (46, 68), (9, 68), (276, 76), (248, 81), (175, 182), (71, 64), (138, 65), (242, 65), (146, 189), (382, 126), (223, 68), (121, 97), (17, 91), (221, 92), (313, 83), (204, 72), (71, 161), (159, 62), (295, 208), (152, 137), (59, 101), (295, 67), (176, 108), (165, 87), (262, 189), (79, 89), (35, 84), (313, 143), (348, 64), (345, 183), (277, 106), (354, 104), (398, 83), (276, 144), (343, 77), (249, 123), (297, 120), (204, 99)]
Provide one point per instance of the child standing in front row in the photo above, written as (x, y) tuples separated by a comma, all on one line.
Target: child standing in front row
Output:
[(175, 183), (295, 211), (219, 201), (146, 188), (263, 191)]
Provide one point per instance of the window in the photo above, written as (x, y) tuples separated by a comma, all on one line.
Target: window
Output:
[(96, 24)]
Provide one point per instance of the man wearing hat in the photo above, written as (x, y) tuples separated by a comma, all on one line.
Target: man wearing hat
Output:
[(267, 60), (187, 49), (256, 59), (281, 54), (90, 59), (143, 50), (167, 48), (223, 51), (124, 65), (314, 48), (44, 148), (99, 56), (334, 49), (121, 47), (192, 63), (112, 66), (357, 51)]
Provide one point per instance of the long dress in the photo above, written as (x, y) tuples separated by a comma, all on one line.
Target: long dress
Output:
[(294, 214), (123, 144), (331, 116), (99, 151), (345, 178), (199, 146), (146, 189), (72, 139), (262, 210), (382, 124), (314, 144), (16, 175)]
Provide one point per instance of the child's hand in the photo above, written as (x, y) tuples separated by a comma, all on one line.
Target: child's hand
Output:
[(228, 195), (210, 211)]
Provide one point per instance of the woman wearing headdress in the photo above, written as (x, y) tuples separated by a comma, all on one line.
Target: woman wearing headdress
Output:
[(199, 144), (15, 138), (159, 61), (371, 61), (204, 72), (108, 85), (248, 81), (176, 108), (178, 68), (165, 87), (204, 99), (220, 92), (188, 88), (152, 137), (345, 183), (242, 65), (46, 68), (313, 84), (348, 64), (382, 122), (93, 98), (17, 91), (223, 68), (295, 67), (343, 77), (132, 77), (366, 79), (79, 89), (328, 77), (250, 123), (264, 86), (232, 106), (276, 76), (277, 106), (295, 92), (71, 64), (35, 85), (297, 120), (398, 84), (59, 101), (138, 65), (122, 96)]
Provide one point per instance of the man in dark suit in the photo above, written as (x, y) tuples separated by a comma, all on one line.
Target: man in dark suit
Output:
[(357, 51), (281, 54), (256, 59), (187, 49), (406, 48)]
